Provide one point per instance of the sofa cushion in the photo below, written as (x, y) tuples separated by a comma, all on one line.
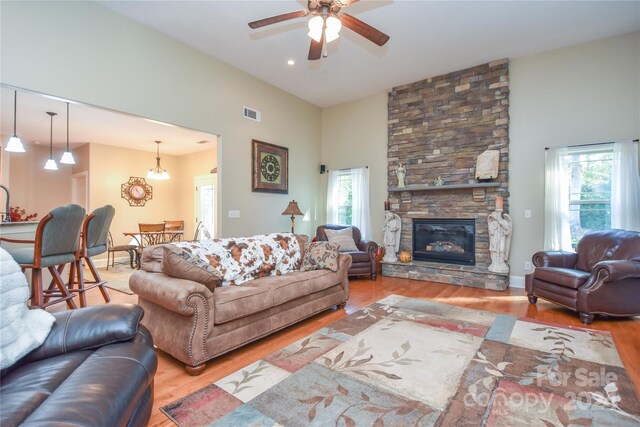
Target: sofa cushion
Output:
[(235, 302), (343, 237), (151, 259), (298, 284), (177, 262), (562, 276), (359, 256), (319, 255)]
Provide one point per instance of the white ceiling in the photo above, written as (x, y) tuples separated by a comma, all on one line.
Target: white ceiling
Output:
[(428, 38), (88, 124)]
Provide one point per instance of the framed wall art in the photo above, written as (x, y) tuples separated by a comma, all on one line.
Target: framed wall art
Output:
[(270, 168)]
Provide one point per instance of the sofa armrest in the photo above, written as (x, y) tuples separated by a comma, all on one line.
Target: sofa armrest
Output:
[(89, 328), (168, 292), (613, 270), (560, 259), (368, 246)]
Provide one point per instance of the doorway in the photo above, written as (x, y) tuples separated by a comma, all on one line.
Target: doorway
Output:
[(80, 189), (205, 202)]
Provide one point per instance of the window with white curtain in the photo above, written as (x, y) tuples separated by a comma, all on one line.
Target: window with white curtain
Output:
[(348, 199), (588, 188)]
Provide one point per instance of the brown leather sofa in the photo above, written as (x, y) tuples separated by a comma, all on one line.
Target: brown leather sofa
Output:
[(194, 323), (95, 368), (364, 260), (601, 277)]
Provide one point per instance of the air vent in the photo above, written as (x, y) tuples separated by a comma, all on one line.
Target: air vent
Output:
[(250, 114)]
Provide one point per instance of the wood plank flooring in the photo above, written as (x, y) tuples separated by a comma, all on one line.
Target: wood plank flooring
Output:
[(171, 381)]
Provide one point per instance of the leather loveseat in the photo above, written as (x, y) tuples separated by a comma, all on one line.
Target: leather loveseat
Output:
[(95, 368), (601, 277), (364, 260)]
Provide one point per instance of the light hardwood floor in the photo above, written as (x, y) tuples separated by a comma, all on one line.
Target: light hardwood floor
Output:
[(171, 381)]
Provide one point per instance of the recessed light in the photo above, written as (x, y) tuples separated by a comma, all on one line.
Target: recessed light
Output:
[(291, 62)]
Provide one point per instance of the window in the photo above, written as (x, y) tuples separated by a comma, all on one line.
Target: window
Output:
[(588, 188), (589, 182), (348, 199)]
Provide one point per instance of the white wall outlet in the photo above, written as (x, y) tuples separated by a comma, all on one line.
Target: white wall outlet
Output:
[(528, 266), (527, 213), (234, 214)]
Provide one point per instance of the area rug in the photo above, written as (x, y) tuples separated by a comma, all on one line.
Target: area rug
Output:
[(117, 278), (410, 362)]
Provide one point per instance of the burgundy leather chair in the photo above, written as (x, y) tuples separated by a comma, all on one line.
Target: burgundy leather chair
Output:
[(601, 277), (364, 260)]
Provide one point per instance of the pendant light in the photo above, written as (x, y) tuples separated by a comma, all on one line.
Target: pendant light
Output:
[(158, 173), (15, 145), (67, 156), (51, 164)]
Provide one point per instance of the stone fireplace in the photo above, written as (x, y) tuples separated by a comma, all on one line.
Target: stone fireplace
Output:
[(437, 128)]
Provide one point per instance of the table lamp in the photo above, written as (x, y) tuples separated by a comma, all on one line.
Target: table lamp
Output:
[(292, 209)]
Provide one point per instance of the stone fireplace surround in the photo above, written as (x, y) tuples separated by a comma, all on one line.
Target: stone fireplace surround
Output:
[(437, 127)]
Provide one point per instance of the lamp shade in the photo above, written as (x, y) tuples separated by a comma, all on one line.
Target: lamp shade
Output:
[(292, 209)]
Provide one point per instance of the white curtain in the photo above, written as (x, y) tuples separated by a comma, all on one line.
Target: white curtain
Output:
[(360, 212), (333, 197), (625, 186), (557, 235)]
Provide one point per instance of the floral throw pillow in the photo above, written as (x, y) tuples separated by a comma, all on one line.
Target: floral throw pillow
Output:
[(319, 255)]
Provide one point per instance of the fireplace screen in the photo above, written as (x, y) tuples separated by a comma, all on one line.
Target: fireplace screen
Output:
[(450, 241)]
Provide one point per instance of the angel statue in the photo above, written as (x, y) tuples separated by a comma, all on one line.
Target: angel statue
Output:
[(401, 171), (500, 226), (392, 227)]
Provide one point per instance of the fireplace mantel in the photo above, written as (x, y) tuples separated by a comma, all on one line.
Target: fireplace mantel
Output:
[(426, 187)]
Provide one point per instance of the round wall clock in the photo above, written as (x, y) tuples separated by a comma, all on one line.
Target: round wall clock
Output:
[(136, 191)]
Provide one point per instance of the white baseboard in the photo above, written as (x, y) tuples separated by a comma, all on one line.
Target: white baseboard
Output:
[(516, 282)]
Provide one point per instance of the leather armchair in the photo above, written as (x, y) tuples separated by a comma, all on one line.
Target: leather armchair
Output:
[(601, 277), (95, 368), (364, 260)]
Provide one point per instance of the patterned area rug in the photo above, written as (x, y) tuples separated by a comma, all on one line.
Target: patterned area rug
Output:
[(410, 362), (117, 278)]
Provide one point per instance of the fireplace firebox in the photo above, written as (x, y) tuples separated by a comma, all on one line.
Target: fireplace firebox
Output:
[(450, 241)]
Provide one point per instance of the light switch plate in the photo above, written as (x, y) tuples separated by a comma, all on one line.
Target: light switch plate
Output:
[(527, 213), (234, 214)]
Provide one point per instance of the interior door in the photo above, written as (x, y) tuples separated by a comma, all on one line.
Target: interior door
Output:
[(205, 202)]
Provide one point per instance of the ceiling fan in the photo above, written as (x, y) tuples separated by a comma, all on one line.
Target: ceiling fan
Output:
[(326, 24)]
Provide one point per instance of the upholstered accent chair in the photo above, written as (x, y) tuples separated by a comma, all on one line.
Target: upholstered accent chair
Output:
[(364, 259), (601, 277), (55, 245)]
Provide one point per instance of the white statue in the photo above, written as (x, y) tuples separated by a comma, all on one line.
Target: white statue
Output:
[(500, 226), (401, 171), (392, 227)]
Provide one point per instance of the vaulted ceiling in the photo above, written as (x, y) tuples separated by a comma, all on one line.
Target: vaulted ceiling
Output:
[(428, 38)]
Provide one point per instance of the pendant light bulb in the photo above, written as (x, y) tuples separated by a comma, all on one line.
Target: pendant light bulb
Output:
[(14, 145), (51, 164), (67, 156)]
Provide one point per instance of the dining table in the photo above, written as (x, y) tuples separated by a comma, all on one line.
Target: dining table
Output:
[(168, 236)]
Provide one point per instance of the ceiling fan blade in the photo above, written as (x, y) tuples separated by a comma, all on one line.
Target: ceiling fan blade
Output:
[(315, 50), (345, 3), (364, 29), (278, 18)]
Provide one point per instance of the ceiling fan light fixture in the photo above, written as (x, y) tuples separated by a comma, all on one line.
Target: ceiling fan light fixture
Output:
[(333, 24), (316, 25), (331, 36)]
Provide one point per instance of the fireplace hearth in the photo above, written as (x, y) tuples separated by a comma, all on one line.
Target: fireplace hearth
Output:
[(450, 241)]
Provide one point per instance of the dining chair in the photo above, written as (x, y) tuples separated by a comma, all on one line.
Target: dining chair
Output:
[(94, 241), (173, 226), (56, 244), (151, 234), (112, 249)]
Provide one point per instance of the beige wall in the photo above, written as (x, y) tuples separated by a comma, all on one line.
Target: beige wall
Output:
[(113, 62), (578, 95), (33, 188), (354, 134), (581, 94)]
